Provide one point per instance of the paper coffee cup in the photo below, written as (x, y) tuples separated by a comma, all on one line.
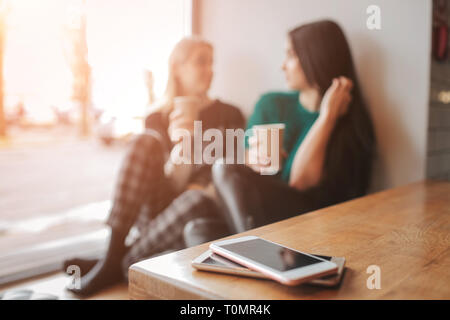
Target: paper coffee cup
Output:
[(187, 105), (270, 143)]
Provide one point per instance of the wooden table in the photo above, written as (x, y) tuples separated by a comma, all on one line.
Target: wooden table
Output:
[(405, 231)]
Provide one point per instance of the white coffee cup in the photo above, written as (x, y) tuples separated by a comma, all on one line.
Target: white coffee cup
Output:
[(270, 144), (187, 105)]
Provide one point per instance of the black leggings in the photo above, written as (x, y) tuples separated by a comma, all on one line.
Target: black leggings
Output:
[(253, 200)]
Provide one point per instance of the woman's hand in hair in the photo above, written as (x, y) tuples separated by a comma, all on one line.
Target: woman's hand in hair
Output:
[(336, 99)]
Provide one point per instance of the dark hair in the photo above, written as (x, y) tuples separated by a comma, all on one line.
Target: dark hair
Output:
[(324, 54)]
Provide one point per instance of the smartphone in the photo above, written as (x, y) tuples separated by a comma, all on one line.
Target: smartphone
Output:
[(280, 263), (209, 261)]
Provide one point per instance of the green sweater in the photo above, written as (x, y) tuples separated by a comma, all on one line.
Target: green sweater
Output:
[(284, 107)]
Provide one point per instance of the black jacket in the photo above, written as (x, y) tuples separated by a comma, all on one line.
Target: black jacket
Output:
[(218, 115)]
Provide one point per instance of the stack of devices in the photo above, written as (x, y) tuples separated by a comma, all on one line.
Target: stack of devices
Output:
[(255, 257)]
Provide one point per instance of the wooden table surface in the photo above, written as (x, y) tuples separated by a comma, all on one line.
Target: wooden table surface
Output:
[(405, 231)]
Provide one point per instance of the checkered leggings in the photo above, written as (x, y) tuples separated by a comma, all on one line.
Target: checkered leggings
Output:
[(145, 199), (165, 231)]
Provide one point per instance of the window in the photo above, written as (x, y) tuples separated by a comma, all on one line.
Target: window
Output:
[(125, 41)]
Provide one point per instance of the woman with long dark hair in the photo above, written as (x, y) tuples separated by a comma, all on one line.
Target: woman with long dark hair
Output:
[(328, 141)]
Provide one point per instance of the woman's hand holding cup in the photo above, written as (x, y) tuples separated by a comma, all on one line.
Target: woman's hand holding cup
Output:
[(182, 117), (265, 153)]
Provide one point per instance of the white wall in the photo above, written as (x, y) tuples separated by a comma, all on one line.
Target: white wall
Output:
[(392, 63)]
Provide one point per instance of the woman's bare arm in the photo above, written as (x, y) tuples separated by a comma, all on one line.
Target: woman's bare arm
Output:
[(308, 162), (307, 167)]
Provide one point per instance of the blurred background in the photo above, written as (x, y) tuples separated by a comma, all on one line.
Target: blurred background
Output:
[(78, 78)]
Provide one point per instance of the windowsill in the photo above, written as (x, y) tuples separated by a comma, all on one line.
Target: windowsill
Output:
[(38, 246)]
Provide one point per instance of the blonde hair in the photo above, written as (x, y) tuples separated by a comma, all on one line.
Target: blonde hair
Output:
[(180, 54)]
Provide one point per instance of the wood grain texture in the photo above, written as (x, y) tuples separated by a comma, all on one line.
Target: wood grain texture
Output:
[(405, 231)]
